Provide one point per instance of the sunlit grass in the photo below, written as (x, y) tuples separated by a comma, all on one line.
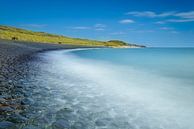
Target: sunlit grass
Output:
[(11, 33)]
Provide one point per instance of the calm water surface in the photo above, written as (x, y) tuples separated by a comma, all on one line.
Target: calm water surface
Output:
[(151, 88)]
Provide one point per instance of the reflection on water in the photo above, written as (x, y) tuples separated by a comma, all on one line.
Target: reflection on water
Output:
[(66, 91)]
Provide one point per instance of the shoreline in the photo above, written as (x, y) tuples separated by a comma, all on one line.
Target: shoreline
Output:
[(14, 50), (13, 55)]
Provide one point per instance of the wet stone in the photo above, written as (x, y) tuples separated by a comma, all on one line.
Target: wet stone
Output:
[(78, 125), (43, 120), (26, 101), (6, 109), (2, 96), (3, 89), (65, 113), (50, 115), (17, 118), (2, 100), (101, 122), (19, 86), (60, 124), (6, 125), (31, 127)]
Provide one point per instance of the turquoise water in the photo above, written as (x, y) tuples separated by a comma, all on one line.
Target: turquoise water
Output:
[(174, 62), (148, 88)]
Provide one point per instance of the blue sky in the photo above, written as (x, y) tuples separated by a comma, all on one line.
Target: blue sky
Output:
[(150, 22)]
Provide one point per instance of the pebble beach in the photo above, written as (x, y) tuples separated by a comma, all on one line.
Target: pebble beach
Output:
[(13, 55)]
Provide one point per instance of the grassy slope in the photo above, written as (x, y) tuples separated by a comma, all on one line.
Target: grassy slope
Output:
[(26, 35)]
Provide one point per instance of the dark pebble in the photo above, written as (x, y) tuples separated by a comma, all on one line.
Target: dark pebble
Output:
[(6, 125), (102, 122), (26, 101), (17, 118), (6, 109), (78, 125), (31, 127), (60, 124)]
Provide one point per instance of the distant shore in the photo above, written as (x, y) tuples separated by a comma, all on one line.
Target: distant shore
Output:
[(15, 50), (12, 55), (18, 34)]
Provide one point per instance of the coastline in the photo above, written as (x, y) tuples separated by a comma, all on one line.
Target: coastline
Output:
[(14, 58), (13, 55)]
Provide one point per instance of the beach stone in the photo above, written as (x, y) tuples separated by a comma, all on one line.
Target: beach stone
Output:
[(61, 124), (78, 125), (2, 100), (3, 89), (2, 97), (65, 113), (14, 57), (6, 125), (31, 127), (6, 109), (100, 123), (17, 118), (44, 120), (26, 101), (103, 122)]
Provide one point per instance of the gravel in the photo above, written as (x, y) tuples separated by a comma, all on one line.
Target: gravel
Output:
[(13, 55)]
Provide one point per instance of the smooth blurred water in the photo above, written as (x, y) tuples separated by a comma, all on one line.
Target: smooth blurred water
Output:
[(177, 62), (148, 88)]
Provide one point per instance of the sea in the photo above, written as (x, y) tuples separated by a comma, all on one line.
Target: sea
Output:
[(104, 88)]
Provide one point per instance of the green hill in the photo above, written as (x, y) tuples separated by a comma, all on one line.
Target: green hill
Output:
[(12, 33)]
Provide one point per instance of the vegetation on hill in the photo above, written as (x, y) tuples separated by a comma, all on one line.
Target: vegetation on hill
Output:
[(12, 33), (121, 43)]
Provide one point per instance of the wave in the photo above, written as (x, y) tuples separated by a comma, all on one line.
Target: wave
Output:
[(120, 94)]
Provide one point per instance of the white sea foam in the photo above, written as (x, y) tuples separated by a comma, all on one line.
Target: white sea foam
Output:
[(129, 97)]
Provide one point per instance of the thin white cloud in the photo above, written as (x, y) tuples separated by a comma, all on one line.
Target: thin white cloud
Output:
[(81, 28), (150, 14), (187, 15), (169, 30), (99, 29), (118, 33), (180, 20), (126, 21), (174, 32), (166, 14), (160, 22), (166, 28), (142, 14), (175, 21), (144, 31), (100, 25), (169, 16)]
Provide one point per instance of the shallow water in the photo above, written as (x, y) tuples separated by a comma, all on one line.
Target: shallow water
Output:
[(150, 88)]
